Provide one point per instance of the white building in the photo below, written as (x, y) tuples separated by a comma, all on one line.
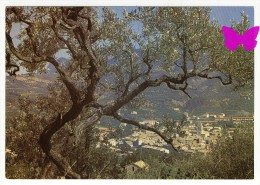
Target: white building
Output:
[(149, 121), (112, 142)]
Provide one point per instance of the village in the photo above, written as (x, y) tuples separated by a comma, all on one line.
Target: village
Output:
[(197, 135)]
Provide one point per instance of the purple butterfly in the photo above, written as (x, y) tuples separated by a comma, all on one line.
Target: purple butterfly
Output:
[(233, 39)]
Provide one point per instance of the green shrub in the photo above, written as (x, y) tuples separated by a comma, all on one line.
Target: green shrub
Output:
[(230, 158)]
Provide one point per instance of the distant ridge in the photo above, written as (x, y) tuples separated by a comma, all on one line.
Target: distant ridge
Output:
[(61, 60), (207, 95)]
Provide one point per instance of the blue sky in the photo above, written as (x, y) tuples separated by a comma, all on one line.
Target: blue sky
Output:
[(223, 14)]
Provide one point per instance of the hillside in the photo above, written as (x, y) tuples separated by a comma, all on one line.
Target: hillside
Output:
[(23, 85), (207, 96)]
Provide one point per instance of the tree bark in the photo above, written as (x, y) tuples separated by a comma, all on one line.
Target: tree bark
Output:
[(49, 131)]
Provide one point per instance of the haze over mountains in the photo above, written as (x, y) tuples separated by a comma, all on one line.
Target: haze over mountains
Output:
[(207, 96)]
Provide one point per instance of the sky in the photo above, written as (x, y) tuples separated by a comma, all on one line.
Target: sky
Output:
[(224, 15)]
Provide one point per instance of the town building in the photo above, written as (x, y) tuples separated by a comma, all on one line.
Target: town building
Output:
[(132, 168), (242, 119)]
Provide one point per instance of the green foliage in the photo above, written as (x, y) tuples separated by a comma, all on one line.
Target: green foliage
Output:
[(158, 168), (25, 159), (230, 158), (22, 132), (170, 37), (172, 126), (239, 63)]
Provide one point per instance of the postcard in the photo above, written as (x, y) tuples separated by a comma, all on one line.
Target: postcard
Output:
[(129, 91)]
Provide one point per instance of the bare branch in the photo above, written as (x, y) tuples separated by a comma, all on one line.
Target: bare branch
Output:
[(224, 82), (133, 78), (183, 89), (21, 57), (19, 17), (131, 63), (147, 61), (70, 86), (204, 70), (144, 127), (10, 68), (62, 23), (28, 31), (74, 92), (54, 28)]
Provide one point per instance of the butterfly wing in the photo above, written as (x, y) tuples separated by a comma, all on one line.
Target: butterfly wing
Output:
[(249, 38), (231, 38)]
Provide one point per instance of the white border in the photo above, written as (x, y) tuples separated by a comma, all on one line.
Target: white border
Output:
[(129, 3), (4, 3)]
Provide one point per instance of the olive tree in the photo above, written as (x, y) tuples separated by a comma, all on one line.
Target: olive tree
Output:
[(110, 57)]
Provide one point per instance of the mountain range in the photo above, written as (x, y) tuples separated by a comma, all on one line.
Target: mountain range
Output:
[(207, 96)]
